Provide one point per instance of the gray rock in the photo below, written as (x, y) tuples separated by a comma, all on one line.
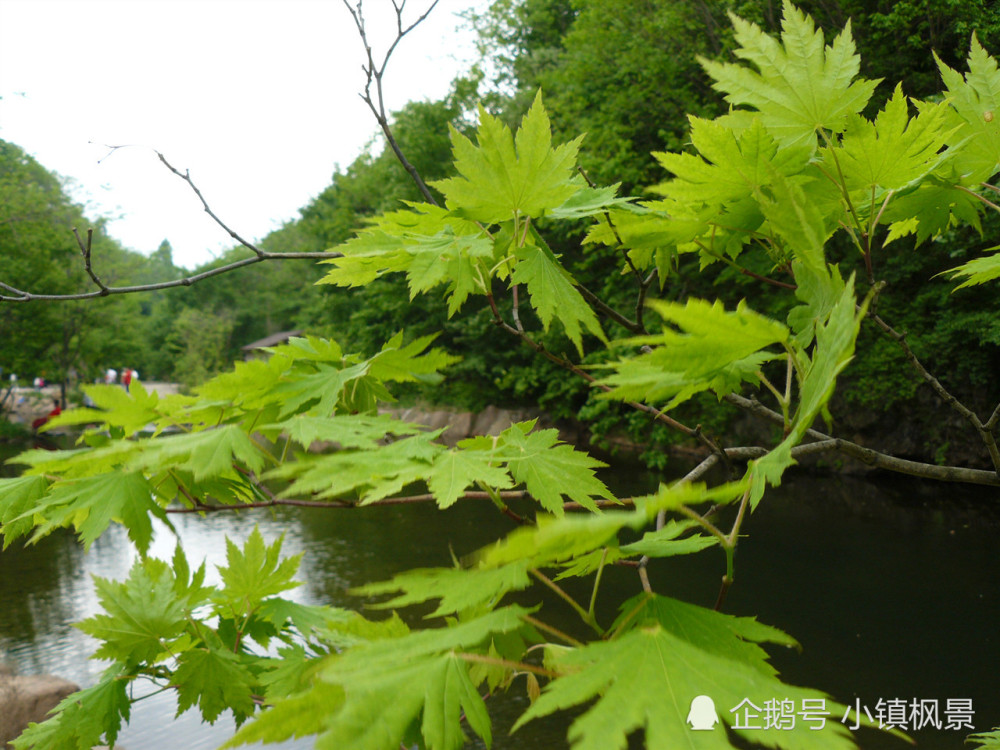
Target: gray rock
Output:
[(27, 698)]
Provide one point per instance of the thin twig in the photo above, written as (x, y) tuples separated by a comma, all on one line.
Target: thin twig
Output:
[(614, 231), (875, 458), (85, 252), (295, 502), (374, 75), (985, 433), (21, 295)]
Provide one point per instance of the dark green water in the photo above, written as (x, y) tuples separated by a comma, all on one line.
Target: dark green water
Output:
[(893, 590)]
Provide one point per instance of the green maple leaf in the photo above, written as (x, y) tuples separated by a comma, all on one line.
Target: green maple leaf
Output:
[(457, 469), (934, 207), (802, 85), (206, 454), (431, 245), (553, 294), (18, 497), (307, 619), (707, 348), (459, 589), (92, 503), (986, 740), (374, 693), (255, 572), (893, 151), (731, 166), (83, 718), (296, 716), (364, 431), (318, 392), (818, 293), (503, 177), (143, 614), (556, 539), (977, 271), (216, 680), (390, 683), (975, 100), (551, 472), (667, 542), (410, 363), (589, 202), (373, 474), (677, 651), (835, 339), (131, 411)]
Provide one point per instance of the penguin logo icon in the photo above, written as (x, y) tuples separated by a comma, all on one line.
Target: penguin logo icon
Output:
[(702, 715)]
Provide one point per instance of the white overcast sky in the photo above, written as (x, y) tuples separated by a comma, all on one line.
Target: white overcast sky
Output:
[(257, 98)]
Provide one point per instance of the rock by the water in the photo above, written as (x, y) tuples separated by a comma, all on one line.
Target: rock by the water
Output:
[(27, 698)]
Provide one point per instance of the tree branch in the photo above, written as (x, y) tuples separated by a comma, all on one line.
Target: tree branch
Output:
[(85, 251), (985, 433), (259, 256), (374, 75), (875, 458)]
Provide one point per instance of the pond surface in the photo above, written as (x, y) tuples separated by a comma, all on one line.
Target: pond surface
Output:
[(893, 590)]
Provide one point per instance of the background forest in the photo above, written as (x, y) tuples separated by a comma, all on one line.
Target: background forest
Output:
[(625, 74)]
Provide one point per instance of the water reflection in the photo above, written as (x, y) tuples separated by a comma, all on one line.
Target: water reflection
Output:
[(890, 588)]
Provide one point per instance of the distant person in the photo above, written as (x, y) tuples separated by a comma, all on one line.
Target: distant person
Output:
[(126, 378), (56, 411), (111, 376)]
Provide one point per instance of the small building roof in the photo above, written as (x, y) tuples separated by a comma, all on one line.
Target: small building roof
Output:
[(273, 340)]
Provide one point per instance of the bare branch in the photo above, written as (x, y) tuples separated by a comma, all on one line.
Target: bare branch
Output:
[(20, 295), (875, 458), (985, 433), (374, 75), (85, 251), (186, 176)]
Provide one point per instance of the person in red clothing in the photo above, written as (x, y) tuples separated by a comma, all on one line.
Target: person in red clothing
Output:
[(126, 378), (56, 411)]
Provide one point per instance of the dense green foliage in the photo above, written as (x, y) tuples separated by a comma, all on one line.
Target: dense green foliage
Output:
[(793, 187)]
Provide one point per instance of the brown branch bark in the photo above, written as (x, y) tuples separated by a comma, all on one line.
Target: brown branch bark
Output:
[(374, 75), (875, 458), (259, 256), (986, 433)]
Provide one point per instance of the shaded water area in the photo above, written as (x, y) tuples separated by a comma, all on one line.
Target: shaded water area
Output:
[(891, 587)]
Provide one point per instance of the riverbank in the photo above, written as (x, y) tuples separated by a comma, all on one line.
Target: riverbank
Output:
[(25, 404)]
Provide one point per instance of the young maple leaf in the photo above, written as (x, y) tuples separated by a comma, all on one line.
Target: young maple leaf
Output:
[(551, 472), (802, 85), (678, 651), (553, 295), (893, 151), (82, 719), (975, 100), (507, 177), (143, 614)]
